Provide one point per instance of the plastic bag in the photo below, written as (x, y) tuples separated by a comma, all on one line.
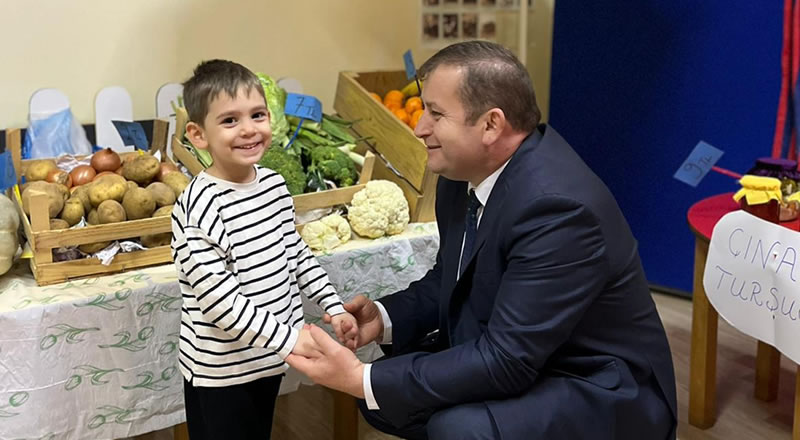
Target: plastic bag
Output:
[(51, 135)]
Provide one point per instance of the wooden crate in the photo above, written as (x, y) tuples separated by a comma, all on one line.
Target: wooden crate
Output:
[(302, 202), (391, 138), (42, 240)]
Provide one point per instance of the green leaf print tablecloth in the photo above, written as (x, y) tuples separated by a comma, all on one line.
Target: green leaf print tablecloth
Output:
[(97, 358)]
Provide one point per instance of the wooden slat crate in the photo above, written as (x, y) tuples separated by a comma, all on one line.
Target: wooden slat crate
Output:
[(391, 138), (302, 202), (42, 240)]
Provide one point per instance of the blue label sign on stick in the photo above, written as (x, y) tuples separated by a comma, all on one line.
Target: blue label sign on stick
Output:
[(698, 164), (132, 133), (303, 106), (408, 60), (8, 177)]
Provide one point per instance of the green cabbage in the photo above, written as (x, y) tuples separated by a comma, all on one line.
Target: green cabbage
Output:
[(276, 101)]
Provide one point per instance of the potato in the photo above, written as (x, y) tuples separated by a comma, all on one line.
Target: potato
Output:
[(57, 223), (110, 211), (39, 169), (92, 218), (162, 194), (110, 187), (82, 193), (92, 248), (138, 203), (53, 193), (131, 185), (156, 240), (73, 211), (141, 169), (63, 189), (176, 181)]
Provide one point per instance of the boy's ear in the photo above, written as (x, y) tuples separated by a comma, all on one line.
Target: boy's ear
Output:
[(196, 135)]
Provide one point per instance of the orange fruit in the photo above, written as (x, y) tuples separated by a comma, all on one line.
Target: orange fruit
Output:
[(392, 106), (376, 97), (415, 118), (393, 96), (413, 104), (402, 115)]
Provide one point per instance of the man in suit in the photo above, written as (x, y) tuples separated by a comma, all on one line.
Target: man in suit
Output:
[(536, 321)]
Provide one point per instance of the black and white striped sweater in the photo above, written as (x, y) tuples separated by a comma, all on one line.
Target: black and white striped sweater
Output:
[(241, 267)]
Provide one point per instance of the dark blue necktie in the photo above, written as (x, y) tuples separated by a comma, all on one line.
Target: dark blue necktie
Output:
[(470, 229)]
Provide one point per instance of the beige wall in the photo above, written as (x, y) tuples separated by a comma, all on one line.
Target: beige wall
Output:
[(81, 46)]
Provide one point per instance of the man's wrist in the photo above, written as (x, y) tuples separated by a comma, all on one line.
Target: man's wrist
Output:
[(358, 382)]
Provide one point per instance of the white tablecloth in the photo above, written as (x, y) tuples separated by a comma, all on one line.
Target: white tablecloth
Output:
[(97, 358)]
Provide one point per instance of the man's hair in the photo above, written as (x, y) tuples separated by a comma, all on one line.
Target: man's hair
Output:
[(211, 78), (493, 78)]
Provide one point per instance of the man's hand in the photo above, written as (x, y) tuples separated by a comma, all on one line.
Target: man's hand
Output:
[(305, 345), (346, 328), (332, 366), (370, 323)]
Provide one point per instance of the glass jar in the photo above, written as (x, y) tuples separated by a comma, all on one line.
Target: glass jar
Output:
[(760, 196)]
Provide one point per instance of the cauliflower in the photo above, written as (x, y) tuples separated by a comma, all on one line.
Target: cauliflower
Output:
[(326, 233), (379, 209)]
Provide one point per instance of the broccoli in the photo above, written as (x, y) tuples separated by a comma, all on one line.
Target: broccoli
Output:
[(334, 165), (288, 166)]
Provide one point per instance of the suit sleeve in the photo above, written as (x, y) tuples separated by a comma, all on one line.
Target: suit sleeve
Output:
[(556, 267)]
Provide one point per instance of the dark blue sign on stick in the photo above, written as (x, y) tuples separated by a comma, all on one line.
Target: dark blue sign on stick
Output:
[(698, 164), (408, 60), (132, 133), (8, 177)]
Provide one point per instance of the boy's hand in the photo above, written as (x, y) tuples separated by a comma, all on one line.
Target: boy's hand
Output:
[(370, 323), (346, 328), (305, 345)]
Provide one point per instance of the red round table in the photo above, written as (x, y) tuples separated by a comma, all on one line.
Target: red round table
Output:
[(702, 217)]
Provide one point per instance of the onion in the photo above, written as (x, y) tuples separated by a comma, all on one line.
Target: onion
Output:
[(164, 169), (59, 176), (82, 174), (106, 160)]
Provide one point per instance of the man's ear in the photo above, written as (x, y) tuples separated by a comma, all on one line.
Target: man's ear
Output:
[(494, 123), (196, 135)]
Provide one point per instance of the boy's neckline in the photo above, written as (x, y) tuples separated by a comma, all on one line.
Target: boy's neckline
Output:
[(235, 185)]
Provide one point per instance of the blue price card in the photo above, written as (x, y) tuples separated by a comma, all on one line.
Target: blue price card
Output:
[(303, 106), (408, 60), (8, 177), (132, 133), (698, 164)]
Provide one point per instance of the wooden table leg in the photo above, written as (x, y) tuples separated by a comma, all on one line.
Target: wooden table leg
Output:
[(796, 424), (703, 364), (180, 432), (768, 369), (345, 416)]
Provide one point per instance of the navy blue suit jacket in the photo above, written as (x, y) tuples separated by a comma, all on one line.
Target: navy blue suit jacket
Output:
[(552, 321)]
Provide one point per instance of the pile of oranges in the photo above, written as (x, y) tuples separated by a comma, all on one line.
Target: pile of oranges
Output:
[(408, 110)]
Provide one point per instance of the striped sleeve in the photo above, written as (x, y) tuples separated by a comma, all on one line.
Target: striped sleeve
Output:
[(202, 260)]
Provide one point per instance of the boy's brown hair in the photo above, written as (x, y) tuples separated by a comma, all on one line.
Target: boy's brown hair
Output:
[(211, 78)]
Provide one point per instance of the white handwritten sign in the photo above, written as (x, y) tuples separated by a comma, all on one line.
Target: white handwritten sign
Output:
[(751, 278)]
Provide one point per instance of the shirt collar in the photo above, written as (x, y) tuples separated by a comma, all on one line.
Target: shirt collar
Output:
[(484, 189)]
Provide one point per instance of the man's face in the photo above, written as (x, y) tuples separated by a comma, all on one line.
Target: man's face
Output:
[(455, 149)]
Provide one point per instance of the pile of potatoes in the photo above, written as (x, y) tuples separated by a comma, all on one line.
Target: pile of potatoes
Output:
[(138, 187)]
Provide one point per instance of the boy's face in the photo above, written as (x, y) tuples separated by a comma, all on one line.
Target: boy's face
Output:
[(236, 131)]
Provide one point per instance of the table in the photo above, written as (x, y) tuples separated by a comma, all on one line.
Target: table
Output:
[(702, 217), (99, 355)]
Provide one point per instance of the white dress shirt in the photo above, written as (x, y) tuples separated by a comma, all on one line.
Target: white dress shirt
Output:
[(482, 192)]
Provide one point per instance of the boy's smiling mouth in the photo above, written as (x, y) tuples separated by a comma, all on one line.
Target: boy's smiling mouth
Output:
[(248, 146)]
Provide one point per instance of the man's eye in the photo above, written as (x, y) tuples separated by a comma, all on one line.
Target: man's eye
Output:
[(435, 114)]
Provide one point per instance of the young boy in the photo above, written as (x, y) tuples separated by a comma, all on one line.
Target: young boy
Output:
[(241, 264)]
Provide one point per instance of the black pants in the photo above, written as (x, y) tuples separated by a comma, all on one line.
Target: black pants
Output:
[(233, 412)]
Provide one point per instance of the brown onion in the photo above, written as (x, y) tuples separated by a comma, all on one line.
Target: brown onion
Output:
[(106, 160), (59, 176), (104, 173), (164, 169), (82, 174)]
